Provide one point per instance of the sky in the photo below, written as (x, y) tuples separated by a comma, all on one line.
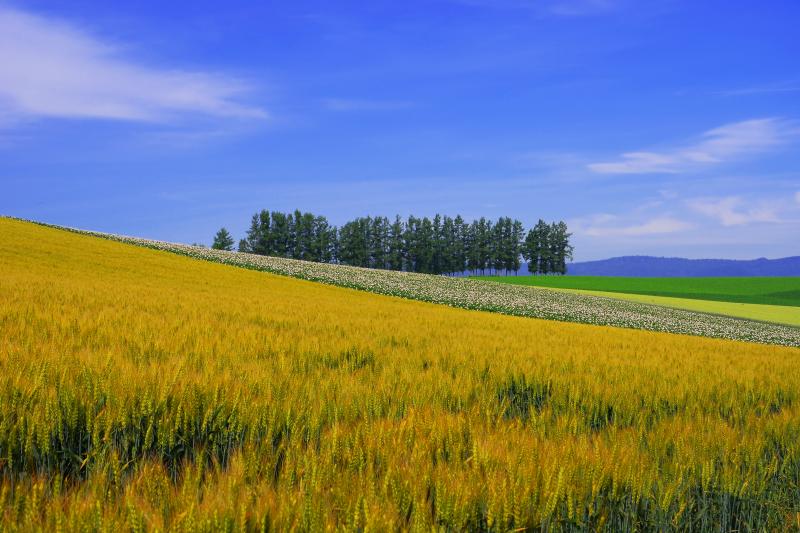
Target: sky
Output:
[(666, 127)]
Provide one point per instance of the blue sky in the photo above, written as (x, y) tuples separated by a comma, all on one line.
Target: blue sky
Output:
[(664, 127)]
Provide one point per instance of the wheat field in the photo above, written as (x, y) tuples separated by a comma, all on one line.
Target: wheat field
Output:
[(145, 391)]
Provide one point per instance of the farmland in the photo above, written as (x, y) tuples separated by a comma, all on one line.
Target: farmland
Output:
[(770, 291), (482, 295), (781, 314), (144, 390)]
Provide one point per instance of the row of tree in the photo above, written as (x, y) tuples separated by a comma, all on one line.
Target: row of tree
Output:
[(438, 245)]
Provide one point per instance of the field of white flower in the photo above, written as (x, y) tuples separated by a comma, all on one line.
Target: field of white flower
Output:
[(488, 296)]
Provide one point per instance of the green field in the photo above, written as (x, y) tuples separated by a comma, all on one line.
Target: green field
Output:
[(781, 314), (770, 291)]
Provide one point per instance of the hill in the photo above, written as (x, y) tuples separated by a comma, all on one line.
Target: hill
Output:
[(470, 293), (663, 267), (143, 390)]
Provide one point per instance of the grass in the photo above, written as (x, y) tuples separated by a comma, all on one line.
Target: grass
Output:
[(143, 390), (769, 291), (780, 314)]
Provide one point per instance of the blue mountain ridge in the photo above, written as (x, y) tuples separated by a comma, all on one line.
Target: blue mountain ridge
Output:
[(666, 267)]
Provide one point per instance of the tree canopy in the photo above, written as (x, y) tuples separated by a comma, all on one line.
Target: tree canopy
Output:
[(223, 240), (438, 245)]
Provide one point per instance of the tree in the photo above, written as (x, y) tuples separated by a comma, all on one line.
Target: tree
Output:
[(223, 240), (425, 246), (379, 242), (546, 251), (460, 244), (517, 232), (323, 241), (530, 250), (536, 248), (493, 245), (441, 245), (505, 246), (410, 238), (303, 236), (437, 246), (346, 253), (354, 242), (484, 244), (561, 248), (254, 236), (472, 247), (280, 236), (449, 251), (395, 254)]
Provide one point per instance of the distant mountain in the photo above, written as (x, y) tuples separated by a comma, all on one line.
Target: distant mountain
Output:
[(669, 267)]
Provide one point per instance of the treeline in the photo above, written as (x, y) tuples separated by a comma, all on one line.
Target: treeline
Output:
[(438, 245), (294, 235)]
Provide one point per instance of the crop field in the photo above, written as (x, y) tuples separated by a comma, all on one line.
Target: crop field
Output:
[(770, 291), (143, 390), (780, 314), (496, 297)]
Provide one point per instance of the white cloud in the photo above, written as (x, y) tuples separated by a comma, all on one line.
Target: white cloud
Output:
[(608, 225), (797, 197), (637, 163), (49, 68), (720, 144), (731, 210), (749, 136)]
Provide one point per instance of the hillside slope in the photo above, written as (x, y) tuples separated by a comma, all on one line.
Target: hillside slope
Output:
[(469, 293), (664, 267), (141, 389)]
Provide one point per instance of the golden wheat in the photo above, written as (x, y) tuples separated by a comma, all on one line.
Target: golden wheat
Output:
[(141, 390)]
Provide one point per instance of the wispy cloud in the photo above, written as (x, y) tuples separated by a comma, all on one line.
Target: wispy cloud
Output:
[(638, 163), (50, 68), (727, 142), (350, 104), (733, 211), (770, 88), (797, 197), (606, 225)]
